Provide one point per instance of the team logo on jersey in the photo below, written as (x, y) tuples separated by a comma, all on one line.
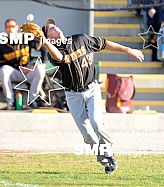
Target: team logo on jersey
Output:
[(75, 54)]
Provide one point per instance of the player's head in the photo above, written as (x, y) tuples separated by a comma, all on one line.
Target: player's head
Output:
[(51, 31), (11, 26)]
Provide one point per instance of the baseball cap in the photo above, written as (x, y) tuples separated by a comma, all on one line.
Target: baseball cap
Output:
[(49, 21)]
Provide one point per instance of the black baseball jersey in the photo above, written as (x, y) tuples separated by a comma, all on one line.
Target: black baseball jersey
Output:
[(79, 71), (16, 55)]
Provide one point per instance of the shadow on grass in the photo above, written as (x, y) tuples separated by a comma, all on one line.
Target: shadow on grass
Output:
[(49, 172)]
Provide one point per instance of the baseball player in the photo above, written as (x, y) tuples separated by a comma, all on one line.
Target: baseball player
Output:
[(79, 76)]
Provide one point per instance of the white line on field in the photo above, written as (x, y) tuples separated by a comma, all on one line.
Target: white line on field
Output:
[(17, 184)]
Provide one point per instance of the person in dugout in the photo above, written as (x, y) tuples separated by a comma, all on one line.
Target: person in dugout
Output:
[(14, 55), (155, 18)]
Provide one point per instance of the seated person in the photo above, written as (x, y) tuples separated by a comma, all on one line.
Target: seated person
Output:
[(11, 57), (155, 17)]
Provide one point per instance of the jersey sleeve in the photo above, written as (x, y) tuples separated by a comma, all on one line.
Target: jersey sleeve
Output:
[(53, 61), (94, 44)]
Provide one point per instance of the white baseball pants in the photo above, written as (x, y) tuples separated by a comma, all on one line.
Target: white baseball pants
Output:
[(9, 74), (86, 109)]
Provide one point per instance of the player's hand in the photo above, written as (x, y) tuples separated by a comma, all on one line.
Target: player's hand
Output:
[(135, 53)]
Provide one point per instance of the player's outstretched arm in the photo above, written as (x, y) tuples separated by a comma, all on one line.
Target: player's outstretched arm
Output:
[(38, 34), (134, 53), (54, 52)]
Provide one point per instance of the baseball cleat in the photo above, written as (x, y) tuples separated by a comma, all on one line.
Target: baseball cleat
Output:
[(112, 165)]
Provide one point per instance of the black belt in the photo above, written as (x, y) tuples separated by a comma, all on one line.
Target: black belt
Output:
[(82, 89)]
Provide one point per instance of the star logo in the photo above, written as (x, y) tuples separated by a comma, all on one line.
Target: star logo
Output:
[(51, 85), (145, 35)]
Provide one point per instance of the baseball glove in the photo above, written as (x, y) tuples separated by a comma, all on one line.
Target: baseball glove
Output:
[(32, 28)]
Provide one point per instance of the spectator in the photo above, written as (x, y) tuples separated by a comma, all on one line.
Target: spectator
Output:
[(155, 17), (11, 57)]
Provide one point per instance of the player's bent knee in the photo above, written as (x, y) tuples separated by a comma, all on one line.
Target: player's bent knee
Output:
[(5, 68), (5, 71)]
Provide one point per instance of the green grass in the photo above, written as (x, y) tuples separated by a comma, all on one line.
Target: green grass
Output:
[(71, 170)]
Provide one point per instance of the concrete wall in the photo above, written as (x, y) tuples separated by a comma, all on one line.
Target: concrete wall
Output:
[(70, 21), (138, 134)]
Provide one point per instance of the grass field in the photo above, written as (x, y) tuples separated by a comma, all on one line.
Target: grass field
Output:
[(71, 170)]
